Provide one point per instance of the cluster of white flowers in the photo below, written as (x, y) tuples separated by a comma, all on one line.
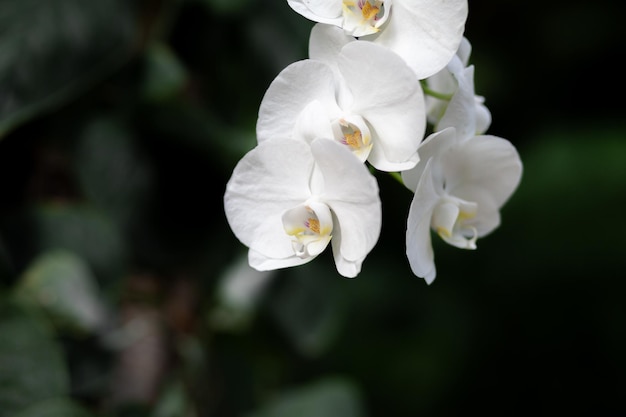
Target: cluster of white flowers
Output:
[(386, 87)]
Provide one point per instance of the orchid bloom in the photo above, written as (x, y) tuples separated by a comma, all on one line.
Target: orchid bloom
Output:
[(456, 80), (286, 200), (460, 185), (425, 33), (361, 94)]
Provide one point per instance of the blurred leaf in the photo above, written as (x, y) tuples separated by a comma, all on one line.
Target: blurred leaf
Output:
[(111, 171), (307, 307), (50, 51), (239, 292), (79, 228), (32, 368), (173, 402), (60, 283), (85, 232), (324, 398), (55, 408), (165, 75)]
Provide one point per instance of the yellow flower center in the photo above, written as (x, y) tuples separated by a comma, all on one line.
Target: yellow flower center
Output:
[(353, 132), (310, 227), (313, 225), (364, 17), (369, 11), (353, 139), (352, 135)]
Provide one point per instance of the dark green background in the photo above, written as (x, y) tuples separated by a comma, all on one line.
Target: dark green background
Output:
[(120, 123)]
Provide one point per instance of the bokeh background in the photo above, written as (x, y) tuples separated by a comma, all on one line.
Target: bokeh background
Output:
[(123, 292)]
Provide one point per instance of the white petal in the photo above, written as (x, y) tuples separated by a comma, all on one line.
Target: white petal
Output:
[(290, 93), (461, 240), (444, 217), (461, 110), (313, 122), (347, 268), (432, 147), (352, 194), (261, 262), (326, 41), (426, 33), (387, 94), (455, 66), (444, 83), (450, 221), (396, 134), (324, 11), (484, 169), (487, 217), (381, 162), (483, 116), (271, 178), (325, 44), (464, 51), (419, 248), (376, 76)]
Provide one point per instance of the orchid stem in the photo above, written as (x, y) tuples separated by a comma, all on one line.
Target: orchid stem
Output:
[(397, 177), (435, 94)]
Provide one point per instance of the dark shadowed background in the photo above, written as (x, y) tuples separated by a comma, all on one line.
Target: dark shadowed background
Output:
[(123, 292)]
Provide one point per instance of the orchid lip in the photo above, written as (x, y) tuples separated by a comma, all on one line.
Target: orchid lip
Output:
[(310, 226), (354, 133), (449, 220), (364, 17)]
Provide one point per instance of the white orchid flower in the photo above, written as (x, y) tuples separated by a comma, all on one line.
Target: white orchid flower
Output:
[(286, 200), (464, 109), (364, 96), (460, 185), (425, 33)]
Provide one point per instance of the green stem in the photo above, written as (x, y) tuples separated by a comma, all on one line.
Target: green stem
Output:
[(397, 177), (432, 93)]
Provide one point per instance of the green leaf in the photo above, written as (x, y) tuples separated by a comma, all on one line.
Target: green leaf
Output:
[(32, 368), (61, 284), (51, 51), (327, 397)]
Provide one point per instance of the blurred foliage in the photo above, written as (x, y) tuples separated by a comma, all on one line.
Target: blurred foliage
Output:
[(123, 292), (53, 50), (60, 284), (31, 362)]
